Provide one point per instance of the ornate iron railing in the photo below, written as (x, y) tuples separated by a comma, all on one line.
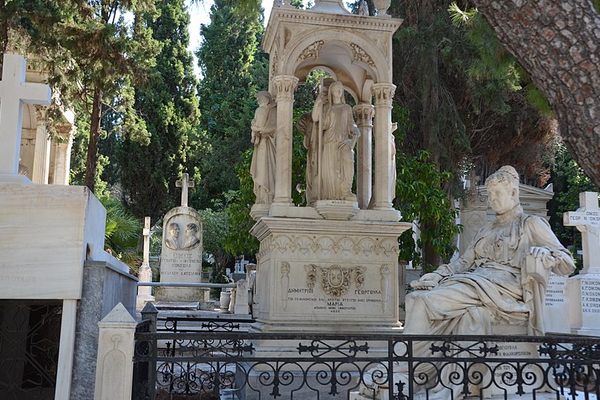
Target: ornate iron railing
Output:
[(331, 366)]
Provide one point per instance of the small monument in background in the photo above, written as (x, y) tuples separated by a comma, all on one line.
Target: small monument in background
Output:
[(583, 290), (181, 255)]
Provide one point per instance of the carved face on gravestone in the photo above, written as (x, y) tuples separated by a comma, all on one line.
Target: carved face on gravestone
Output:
[(172, 240), (191, 239)]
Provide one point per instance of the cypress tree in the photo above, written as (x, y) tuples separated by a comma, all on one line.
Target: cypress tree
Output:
[(226, 59), (169, 105)]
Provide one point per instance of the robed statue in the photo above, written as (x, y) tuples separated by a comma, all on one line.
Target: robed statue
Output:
[(330, 135), (262, 167)]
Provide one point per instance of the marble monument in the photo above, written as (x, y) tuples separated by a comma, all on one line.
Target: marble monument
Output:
[(496, 287), (329, 264), (583, 290), (181, 255), (51, 254)]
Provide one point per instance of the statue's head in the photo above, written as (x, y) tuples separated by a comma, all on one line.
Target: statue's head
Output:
[(503, 189), (263, 98), (336, 92)]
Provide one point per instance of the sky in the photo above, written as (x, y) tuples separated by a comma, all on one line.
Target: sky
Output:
[(200, 14)]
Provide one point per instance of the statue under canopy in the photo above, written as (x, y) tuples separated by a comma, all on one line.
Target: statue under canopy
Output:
[(330, 135), (262, 167)]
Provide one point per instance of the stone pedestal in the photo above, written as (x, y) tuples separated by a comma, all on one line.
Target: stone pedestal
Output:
[(325, 275)]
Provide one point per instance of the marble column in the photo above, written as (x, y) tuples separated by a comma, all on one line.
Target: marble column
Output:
[(363, 114), (383, 93), (285, 85), (62, 160), (41, 158)]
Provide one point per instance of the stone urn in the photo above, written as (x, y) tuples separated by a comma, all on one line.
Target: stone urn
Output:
[(382, 7), (224, 300)]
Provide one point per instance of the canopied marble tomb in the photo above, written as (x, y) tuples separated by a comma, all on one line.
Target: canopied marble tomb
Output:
[(45, 158), (330, 264), (56, 280)]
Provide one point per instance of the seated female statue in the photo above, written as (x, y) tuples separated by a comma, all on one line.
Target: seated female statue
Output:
[(491, 281)]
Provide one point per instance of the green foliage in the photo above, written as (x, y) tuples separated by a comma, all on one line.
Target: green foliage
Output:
[(93, 56), (568, 180), (122, 232), (420, 197), (215, 227), (227, 62), (239, 240), (169, 105)]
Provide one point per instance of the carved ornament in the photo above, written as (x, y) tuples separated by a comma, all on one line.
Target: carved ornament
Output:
[(359, 54), (274, 63), (312, 51), (335, 279), (364, 114), (325, 245)]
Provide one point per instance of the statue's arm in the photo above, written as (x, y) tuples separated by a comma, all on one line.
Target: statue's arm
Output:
[(546, 247), (457, 266)]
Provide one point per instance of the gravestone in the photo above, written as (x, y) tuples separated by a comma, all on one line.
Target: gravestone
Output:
[(556, 305), (181, 255), (583, 290)]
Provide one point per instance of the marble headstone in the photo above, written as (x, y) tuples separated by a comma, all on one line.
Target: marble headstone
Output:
[(181, 255), (583, 290)]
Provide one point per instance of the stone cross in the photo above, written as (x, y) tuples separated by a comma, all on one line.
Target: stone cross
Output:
[(587, 221), (146, 233), (184, 183), (14, 92)]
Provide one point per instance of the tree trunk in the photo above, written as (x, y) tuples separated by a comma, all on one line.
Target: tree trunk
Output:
[(92, 153), (558, 43)]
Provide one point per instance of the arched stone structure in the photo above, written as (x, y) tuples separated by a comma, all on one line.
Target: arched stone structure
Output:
[(355, 50), (304, 251)]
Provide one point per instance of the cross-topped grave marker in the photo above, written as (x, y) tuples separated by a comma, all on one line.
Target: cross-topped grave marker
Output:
[(145, 273), (14, 92), (587, 221), (146, 234), (184, 183)]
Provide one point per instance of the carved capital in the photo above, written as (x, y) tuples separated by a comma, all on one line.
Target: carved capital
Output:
[(384, 93), (363, 113), (285, 85)]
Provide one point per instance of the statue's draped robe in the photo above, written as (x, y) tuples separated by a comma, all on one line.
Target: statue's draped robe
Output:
[(337, 159), (262, 167), (490, 282)]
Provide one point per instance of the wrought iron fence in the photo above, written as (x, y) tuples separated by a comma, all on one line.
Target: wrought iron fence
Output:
[(234, 365)]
